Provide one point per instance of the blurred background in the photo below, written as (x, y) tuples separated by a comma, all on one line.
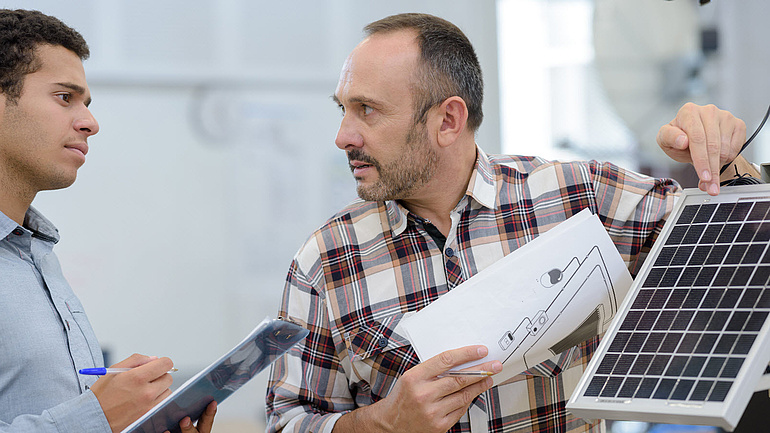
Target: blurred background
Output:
[(216, 155)]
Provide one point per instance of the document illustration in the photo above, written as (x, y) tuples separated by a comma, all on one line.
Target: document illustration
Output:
[(560, 289), (269, 340)]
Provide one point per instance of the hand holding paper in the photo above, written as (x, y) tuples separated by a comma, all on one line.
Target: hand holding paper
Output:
[(422, 397)]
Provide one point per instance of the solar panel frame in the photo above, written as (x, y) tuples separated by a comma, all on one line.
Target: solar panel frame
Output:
[(691, 366)]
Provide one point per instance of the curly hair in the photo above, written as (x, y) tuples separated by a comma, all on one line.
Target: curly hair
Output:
[(21, 32), (449, 63)]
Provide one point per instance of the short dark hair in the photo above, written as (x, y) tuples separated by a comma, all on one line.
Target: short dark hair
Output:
[(21, 32), (449, 63)]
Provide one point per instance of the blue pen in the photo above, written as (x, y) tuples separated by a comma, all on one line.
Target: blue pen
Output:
[(101, 371)]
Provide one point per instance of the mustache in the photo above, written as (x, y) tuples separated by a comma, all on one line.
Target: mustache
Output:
[(358, 155)]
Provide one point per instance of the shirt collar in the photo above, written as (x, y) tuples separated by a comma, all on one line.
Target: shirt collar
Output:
[(482, 188), (33, 221)]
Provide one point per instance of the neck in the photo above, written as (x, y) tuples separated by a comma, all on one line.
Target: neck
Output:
[(14, 203), (441, 195)]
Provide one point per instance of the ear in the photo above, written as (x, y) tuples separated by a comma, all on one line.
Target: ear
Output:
[(454, 119)]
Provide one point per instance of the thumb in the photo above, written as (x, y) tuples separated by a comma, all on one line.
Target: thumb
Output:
[(671, 137)]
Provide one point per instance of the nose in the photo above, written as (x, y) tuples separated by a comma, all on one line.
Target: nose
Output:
[(348, 134), (87, 124)]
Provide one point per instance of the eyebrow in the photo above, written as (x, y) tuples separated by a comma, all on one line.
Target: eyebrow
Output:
[(80, 90), (357, 100)]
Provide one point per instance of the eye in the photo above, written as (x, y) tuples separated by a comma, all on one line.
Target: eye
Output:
[(66, 97), (342, 109), (367, 110)]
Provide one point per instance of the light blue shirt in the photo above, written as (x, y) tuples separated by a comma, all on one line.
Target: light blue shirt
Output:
[(45, 337)]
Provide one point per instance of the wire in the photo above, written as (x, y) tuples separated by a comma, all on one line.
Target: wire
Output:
[(724, 167), (740, 179)]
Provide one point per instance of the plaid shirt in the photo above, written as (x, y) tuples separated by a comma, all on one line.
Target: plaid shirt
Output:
[(374, 263)]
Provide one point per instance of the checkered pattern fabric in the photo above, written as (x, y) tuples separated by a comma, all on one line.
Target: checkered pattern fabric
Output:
[(373, 263)]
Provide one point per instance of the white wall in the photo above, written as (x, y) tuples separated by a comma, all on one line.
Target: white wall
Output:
[(215, 161)]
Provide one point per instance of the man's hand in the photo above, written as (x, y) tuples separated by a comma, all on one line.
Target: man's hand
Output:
[(705, 137), (421, 398), (204, 424), (126, 396)]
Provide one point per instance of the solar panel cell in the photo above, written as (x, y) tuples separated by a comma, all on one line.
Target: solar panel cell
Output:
[(664, 388), (683, 319), (735, 254), (723, 212), (728, 233), (687, 215), (704, 213), (658, 365), (725, 344), (711, 234), (693, 234), (659, 297), (629, 387), (740, 211), (694, 366), (676, 366), (702, 390), (720, 390), (713, 367), (688, 343), (646, 387), (641, 364), (759, 211), (717, 254), (682, 389)]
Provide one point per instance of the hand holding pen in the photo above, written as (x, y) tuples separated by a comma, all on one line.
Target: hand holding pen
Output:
[(126, 396)]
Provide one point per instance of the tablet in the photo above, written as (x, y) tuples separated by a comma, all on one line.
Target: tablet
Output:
[(269, 340)]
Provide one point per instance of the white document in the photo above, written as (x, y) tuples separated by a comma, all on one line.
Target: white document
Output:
[(560, 289)]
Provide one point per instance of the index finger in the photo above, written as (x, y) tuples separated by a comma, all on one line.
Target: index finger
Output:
[(452, 358), (699, 140), (155, 369)]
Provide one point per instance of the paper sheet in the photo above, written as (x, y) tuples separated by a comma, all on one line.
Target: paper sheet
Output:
[(554, 292)]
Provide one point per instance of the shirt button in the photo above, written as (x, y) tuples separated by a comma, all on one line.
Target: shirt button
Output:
[(449, 252), (382, 342), (18, 231)]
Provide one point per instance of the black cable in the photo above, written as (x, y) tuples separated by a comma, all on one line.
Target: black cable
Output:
[(724, 167)]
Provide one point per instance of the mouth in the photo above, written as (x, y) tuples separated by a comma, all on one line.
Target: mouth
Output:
[(78, 147), (359, 168)]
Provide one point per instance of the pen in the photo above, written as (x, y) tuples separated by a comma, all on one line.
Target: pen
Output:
[(101, 371), (466, 373)]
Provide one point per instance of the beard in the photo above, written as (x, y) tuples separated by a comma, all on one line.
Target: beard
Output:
[(398, 178)]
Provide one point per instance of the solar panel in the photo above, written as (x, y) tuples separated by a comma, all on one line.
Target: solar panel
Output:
[(690, 342)]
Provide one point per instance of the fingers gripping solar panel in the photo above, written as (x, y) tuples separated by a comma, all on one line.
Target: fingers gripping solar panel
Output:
[(690, 341)]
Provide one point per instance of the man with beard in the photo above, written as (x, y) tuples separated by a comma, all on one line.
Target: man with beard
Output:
[(435, 210)]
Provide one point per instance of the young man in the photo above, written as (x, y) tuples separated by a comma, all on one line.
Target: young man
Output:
[(45, 124), (436, 210)]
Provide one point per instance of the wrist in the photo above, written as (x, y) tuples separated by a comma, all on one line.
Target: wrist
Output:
[(366, 419), (740, 166)]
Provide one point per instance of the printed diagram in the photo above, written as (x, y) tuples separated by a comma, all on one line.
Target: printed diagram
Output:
[(536, 334)]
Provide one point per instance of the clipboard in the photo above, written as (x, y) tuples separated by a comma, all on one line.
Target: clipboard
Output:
[(269, 340)]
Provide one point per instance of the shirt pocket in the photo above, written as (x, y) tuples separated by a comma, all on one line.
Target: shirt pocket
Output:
[(82, 325), (379, 353)]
